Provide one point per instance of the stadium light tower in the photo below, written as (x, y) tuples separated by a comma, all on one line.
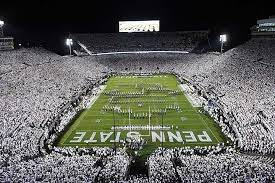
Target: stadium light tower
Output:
[(1, 28), (223, 39), (69, 42)]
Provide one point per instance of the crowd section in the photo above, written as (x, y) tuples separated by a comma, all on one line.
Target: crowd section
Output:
[(161, 168), (32, 96), (240, 82), (38, 88), (69, 165), (53, 168), (115, 168), (187, 166)]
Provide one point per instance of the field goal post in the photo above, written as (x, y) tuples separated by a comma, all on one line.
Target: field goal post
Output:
[(149, 125)]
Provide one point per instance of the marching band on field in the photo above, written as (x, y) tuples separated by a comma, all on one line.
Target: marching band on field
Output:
[(145, 92)]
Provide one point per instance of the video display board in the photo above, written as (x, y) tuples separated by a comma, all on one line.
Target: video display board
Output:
[(139, 26)]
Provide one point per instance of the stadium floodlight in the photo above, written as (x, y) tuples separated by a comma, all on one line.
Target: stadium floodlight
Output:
[(69, 42), (223, 39), (1, 28)]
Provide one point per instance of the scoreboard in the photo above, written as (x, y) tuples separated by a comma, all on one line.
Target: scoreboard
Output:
[(139, 26)]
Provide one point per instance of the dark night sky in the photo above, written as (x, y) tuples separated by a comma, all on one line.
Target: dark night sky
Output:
[(49, 21)]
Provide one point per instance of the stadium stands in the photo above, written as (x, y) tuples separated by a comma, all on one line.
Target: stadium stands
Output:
[(226, 167), (114, 42), (241, 80), (40, 90)]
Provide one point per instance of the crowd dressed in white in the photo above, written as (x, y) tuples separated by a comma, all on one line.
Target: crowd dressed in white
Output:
[(186, 165), (240, 83), (40, 91)]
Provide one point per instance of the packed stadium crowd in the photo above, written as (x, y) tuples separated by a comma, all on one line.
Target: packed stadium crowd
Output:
[(41, 90), (186, 166), (122, 42), (33, 94), (241, 81), (67, 165)]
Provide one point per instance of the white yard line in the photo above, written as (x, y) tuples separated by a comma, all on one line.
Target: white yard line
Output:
[(94, 98), (206, 125)]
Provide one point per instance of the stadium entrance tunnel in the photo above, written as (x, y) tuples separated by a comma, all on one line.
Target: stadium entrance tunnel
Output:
[(138, 165)]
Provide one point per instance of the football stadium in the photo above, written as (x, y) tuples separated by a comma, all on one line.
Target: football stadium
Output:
[(145, 106), (138, 105)]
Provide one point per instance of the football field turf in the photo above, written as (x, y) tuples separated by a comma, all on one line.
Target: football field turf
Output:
[(139, 106)]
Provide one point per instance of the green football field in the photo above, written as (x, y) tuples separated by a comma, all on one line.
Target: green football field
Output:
[(139, 106)]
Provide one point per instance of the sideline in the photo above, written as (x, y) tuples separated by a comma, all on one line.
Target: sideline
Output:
[(194, 104), (190, 98), (94, 98)]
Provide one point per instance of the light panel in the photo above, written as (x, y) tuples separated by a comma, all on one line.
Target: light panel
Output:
[(69, 42), (223, 38)]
